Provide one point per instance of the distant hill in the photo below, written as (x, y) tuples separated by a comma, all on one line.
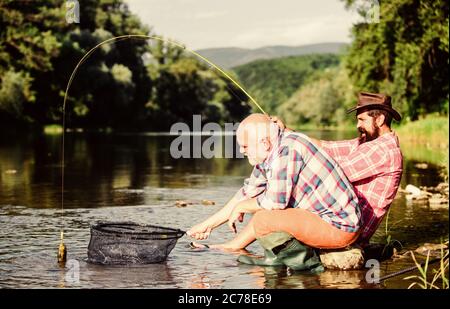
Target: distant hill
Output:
[(230, 57), (273, 81)]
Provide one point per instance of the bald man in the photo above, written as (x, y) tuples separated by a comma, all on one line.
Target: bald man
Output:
[(295, 187)]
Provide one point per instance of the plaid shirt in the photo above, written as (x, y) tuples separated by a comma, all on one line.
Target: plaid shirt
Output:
[(375, 170), (298, 174)]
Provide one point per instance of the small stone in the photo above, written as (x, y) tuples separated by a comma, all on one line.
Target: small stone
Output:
[(422, 166), (413, 190), (438, 199), (428, 189), (182, 203), (208, 202), (434, 249), (417, 198), (442, 188), (421, 197), (11, 172), (442, 185)]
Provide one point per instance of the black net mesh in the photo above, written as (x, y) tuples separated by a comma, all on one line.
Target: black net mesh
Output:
[(130, 243)]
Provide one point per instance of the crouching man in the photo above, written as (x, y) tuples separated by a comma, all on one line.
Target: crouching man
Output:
[(295, 188)]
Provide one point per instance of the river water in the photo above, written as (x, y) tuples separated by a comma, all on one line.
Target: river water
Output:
[(134, 178)]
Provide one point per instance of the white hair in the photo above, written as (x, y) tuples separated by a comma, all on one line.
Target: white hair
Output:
[(262, 130)]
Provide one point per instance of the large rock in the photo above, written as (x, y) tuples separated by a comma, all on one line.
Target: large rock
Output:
[(344, 259)]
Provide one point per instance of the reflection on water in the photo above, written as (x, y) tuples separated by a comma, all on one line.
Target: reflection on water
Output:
[(134, 178)]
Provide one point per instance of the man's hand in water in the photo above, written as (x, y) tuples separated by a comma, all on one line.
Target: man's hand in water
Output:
[(200, 231), (235, 215), (243, 207)]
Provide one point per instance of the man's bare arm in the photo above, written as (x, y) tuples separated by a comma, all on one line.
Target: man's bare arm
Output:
[(243, 207), (203, 229)]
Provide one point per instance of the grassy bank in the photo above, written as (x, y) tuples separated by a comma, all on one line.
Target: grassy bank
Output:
[(425, 140), (431, 131)]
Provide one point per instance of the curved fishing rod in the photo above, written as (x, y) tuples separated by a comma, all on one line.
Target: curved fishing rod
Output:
[(62, 252), (408, 269)]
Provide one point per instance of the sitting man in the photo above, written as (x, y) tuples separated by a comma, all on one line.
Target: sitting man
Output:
[(295, 187), (373, 162)]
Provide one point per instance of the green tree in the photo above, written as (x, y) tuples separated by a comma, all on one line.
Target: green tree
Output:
[(404, 55), (36, 39), (15, 91), (322, 101), (130, 85), (185, 86), (28, 46), (273, 81)]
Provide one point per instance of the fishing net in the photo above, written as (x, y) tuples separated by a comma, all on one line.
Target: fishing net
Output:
[(130, 243)]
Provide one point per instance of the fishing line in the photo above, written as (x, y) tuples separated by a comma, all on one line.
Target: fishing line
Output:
[(62, 251)]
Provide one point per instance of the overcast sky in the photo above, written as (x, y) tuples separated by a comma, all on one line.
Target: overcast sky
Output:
[(246, 23)]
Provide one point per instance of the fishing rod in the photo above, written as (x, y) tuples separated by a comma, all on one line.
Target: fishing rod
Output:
[(411, 268), (62, 250)]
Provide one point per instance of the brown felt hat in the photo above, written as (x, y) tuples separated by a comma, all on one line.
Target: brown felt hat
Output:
[(368, 101)]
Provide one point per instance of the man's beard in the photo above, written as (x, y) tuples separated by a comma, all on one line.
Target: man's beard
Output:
[(365, 136)]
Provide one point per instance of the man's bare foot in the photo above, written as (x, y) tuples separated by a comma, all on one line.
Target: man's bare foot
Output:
[(223, 247), (197, 245)]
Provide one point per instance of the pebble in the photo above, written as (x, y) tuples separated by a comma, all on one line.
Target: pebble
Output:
[(438, 199), (433, 195), (413, 190), (422, 166), (182, 203), (434, 249), (208, 202)]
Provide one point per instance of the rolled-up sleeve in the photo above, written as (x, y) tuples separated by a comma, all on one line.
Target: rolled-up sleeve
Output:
[(281, 179), (254, 185)]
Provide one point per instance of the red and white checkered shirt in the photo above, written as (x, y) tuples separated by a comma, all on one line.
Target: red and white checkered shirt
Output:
[(297, 173), (375, 170)]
